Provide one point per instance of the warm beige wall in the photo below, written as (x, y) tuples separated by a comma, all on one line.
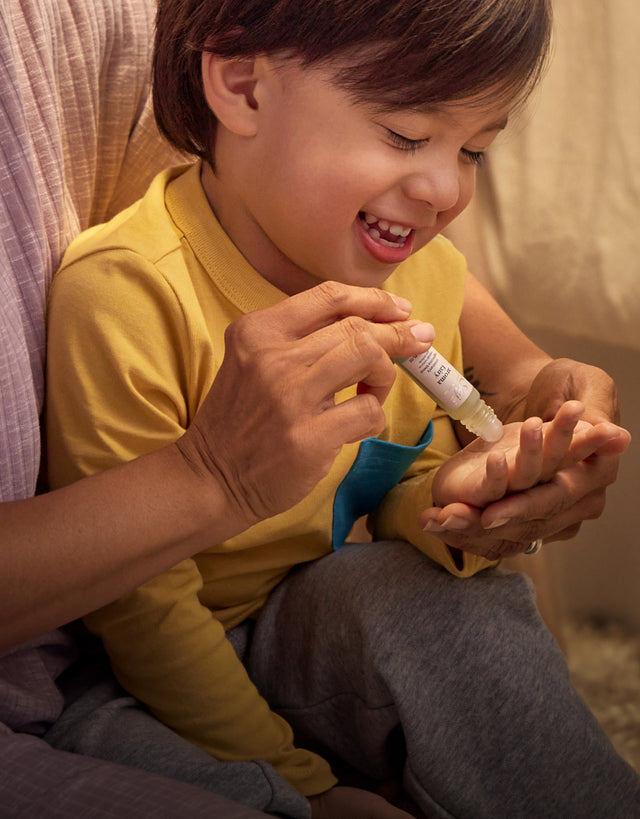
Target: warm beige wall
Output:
[(560, 197), (554, 233), (598, 573)]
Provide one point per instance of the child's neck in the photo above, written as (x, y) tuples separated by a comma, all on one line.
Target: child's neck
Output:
[(266, 259)]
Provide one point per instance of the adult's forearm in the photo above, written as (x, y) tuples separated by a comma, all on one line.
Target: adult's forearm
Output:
[(500, 360), (504, 363), (71, 551), (78, 548)]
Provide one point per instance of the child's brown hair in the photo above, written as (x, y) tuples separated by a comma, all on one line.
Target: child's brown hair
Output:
[(394, 54)]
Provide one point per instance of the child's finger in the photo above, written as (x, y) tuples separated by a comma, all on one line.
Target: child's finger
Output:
[(496, 480), (529, 458), (458, 515), (558, 436)]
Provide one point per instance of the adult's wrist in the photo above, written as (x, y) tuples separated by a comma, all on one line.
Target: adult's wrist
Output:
[(207, 492)]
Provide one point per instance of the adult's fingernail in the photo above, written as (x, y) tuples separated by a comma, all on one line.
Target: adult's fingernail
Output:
[(454, 522), (432, 526), (403, 304), (497, 523), (423, 331)]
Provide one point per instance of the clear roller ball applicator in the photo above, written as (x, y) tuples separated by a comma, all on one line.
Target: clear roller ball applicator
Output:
[(451, 391)]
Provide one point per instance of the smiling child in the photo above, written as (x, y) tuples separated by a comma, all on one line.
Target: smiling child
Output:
[(334, 142)]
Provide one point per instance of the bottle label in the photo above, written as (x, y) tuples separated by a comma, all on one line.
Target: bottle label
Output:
[(443, 382)]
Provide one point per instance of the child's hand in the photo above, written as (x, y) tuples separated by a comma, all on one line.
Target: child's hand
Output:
[(353, 803), (527, 454), (494, 499)]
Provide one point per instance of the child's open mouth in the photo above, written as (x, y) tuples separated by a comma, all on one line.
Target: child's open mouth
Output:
[(388, 234)]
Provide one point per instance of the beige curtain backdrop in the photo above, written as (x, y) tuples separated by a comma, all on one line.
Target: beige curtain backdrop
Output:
[(554, 232)]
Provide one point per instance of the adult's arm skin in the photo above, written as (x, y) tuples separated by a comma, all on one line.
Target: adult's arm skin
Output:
[(73, 550), (504, 363)]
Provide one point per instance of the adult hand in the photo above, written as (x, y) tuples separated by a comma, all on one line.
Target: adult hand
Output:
[(271, 425), (521, 381), (353, 803), (564, 379), (536, 482), (266, 433)]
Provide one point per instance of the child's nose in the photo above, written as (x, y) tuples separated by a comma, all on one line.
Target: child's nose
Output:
[(438, 187)]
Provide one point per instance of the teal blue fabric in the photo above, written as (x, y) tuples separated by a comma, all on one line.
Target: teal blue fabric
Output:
[(378, 467)]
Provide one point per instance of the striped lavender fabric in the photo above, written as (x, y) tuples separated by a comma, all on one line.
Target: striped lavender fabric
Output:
[(25, 271), (77, 143)]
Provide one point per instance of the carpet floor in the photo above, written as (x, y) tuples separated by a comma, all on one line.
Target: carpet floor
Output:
[(604, 660)]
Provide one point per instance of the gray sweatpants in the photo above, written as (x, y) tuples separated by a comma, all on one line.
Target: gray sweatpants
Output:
[(379, 657), (38, 781), (392, 668), (102, 721)]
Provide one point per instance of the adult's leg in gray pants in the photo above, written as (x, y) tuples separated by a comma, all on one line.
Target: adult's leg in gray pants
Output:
[(375, 649), (103, 722), (38, 781)]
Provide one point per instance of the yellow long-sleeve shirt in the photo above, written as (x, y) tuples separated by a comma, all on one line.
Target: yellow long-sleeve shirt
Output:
[(137, 318)]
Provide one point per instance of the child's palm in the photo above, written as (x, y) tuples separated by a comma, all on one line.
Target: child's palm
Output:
[(494, 499), (528, 453)]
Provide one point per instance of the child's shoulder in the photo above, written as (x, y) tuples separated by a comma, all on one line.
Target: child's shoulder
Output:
[(134, 258), (145, 228)]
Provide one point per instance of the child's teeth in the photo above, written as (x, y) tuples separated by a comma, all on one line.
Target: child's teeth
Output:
[(382, 226)]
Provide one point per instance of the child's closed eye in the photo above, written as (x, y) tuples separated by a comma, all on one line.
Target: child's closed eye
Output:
[(404, 143), (412, 145), (474, 157)]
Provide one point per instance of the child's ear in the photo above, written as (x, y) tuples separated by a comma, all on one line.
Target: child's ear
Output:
[(229, 88)]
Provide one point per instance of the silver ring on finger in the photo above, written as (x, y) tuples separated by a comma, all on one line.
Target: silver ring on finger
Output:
[(534, 546)]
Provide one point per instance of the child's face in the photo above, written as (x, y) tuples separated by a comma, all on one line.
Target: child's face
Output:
[(327, 189)]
